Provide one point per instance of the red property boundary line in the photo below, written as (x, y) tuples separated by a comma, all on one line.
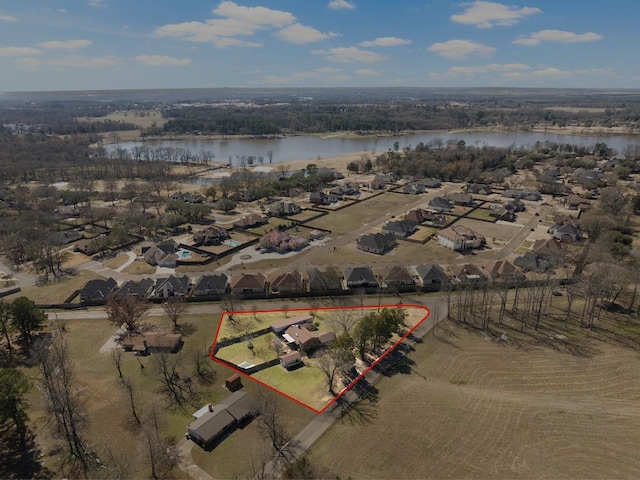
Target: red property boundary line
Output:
[(353, 382)]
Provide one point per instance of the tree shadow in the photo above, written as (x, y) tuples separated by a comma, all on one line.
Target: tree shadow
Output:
[(187, 328), (20, 461)]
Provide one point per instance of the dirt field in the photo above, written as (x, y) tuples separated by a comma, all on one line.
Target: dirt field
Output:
[(472, 407)]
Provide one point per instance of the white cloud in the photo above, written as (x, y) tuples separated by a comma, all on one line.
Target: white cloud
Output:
[(368, 72), (489, 14), (233, 20), (162, 61), (27, 63), (461, 49), (298, 33), (557, 73), (7, 18), (18, 51), (385, 42), (66, 44), (559, 36), (341, 5), (85, 62), (482, 69), (350, 55), (98, 3)]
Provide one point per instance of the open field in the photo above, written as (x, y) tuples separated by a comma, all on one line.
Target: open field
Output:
[(476, 407), (491, 231), (56, 291), (343, 221)]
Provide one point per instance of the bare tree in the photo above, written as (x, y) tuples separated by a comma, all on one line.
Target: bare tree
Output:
[(202, 365), (128, 386), (271, 425), (161, 453), (174, 384), (56, 381), (126, 310), (174, 308), (116, 356)]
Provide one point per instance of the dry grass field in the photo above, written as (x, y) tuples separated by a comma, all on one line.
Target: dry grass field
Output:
[(478, 407), (56, 291)]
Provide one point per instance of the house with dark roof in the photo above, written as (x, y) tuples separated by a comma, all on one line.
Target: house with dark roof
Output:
[(324, 280), (282, 242), (531, 195), (220, 419), (413, 188), (151, 342), (430, 182), (187, 197), (463, 199), (431, 274), (360, 277), (210, 236), (574, 202), (377, 243), (399, 228), (248, 283), (288, 282), (396, 276), (97, 290), (141, 289), (567, 233), (283, 208), (211, 285), (291, 359), (420, 215), (280, 326), (172, 286), (478, 189), (440, 204), (66, 237), (320, 198), (500, 212), (161, 254), (532, 262)]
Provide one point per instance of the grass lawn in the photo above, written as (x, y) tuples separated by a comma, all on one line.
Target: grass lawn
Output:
[(482, 214), (273, 224), (306, 215), (422, 234), (240, 352), (342, 221), (56, 291), (307, 384), (140, 267)]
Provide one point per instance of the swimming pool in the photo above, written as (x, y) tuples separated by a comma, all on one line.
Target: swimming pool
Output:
[(232, 243), (184, 254)]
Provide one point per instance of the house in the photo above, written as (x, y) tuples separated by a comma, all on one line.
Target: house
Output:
[(396, 276), (97, 290), (413, 188), (459, 238), (378, 183), (250, 221), (283, 209), (282, 242), (307, 340), (463, 199), (290, 360), (360, 277), (531, 195), (430, 182), (172, 286), (502, 213), (211, 285), (399, 228), (243, 196), (420, 215), (151, 342), (377, 243), (567, 233), (479, 189), (550, 249), (344, 189), (432, 274), (468, 274), (141, 289), (324, 280), (222, 418), (574, 202), (66, 236), (440, 205), (162, 254), (187, 197), (281, 325), (248, 283), (503, 270), (320, 198), (532, 262), (515, 206), (210, 236), (288, 282)]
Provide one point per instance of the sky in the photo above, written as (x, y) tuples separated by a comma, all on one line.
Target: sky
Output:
[(51, 45)]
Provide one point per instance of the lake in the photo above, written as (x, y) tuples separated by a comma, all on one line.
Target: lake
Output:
[(309, 147)]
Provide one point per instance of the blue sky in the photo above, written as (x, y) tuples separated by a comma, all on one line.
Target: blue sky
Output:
[(138, 44)]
